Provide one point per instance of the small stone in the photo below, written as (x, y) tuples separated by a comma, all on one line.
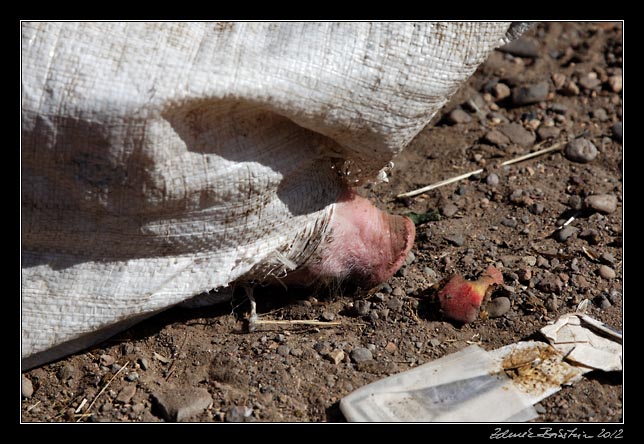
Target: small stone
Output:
[(144, 363), (434, 342), (297, 352), (575, 202), (537, 208), (607, 258), (602, 203), (512, 223), (589, 81), (283, 350), (335, 356), (390, 347), (550, 283), (565, 233), (362, 307), (127, 348), (498, 307), (492, 179), (361, 354), (581, 151), (457, 116), (617, 132), (615, 83), (181, 404), (371, 347), (521, 47), (107, 360), (615, 297), (456, 239), (602, 302), (531, 261), (591, 235), (238, 413), (496, 138), (395, 304), (448, 210), (517, 134), (379, 297), (323, 348), (524, 274), (500, 91), (132, 376), (327, 316), (66, 372), (558, 108), (27, 387), (548, 132), (542, 262), (386, 288), (571, 89), (430, 273), (526, 95), (558, 79), (606, 272), (600, 114), (125, 394), (552, 303), (280, 338)]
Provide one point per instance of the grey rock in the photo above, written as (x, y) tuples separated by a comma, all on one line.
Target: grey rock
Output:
[(144, 363), (297, 352), (181, 404), (107, 360), (398, 291), (606, 272), (280, 338), (66, 372), (526, 95), (607, 258), (361, 354), (430, 273), (448, 210), (27, 387), (589, 81), (521, 47), (517, 134), (540, 409), (492, 179), (238, 413), (386, 288), (457, 116), (335, 356), (558, 108), (602, 302), (456, 239), (591, 235), (379, 297), (496, 138), (362, 307), (327, 316), (566, 233), (434, 342), (602, 203), (508, 222), (552, 303), (395, 304), (617, 131), (371, 347), (132, 376), (498, 307), (600, 114), (550, 283), (615, 297), (548, 132), (500, 91), (323, 348), (575, 202), (537, 208), (126, 393), (581, 151), (283, 350)]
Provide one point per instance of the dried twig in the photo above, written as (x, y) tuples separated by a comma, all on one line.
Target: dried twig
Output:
[(555, 147), (102, 390), (298, 322)]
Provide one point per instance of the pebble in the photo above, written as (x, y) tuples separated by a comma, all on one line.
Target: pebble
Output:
[(602, 302), (390, 347), (398, 291), (517, 134), (615, 83), (386, 288), (430, 273), (591, 235), (617, 131), (492, 179), (66, 372), (500, 91), (362, 307), (144, 363), (548, 132), (565, 233), (526, 95), (127, 348), (496, 138), (107, 360), (542, 262), (512, 223), (575, 202), (521, 47), (335, 356), (327, 316), (456, 239), (607, 258), (297, 352), (615, 296), (323, 348), (395, 304), (540, 409), (590, 81), (600, 114), (361, 354), (434, 342), (27, 387), (498, 307), (238, 413), (458, 116), (180, 404), (602, 203), (581, 150), (606, 272), (132, 376), (552, 303), (558, 79), (550, 283), (125, 394), (537, 208), (283, 350), (448, 210), (571, 89)]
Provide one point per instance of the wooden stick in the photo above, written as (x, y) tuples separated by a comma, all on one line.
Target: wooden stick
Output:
[(102, 390), (298, 322), (555, 147)]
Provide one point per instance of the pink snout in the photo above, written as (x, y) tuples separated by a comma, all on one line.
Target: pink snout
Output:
[(366, 245)]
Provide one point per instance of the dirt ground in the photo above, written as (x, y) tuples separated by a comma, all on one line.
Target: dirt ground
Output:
[(505, 216)]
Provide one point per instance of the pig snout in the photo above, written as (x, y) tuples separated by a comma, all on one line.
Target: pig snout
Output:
[(365, 246)]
